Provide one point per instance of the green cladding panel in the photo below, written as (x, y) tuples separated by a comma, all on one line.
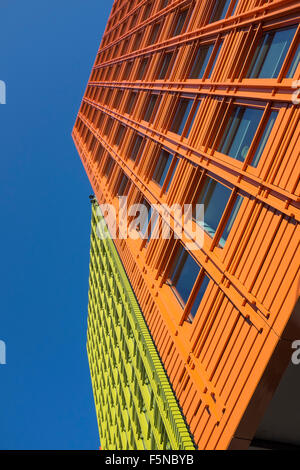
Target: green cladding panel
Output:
[(135, 404)]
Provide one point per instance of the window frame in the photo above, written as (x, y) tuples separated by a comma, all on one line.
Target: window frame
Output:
[(127, 70), (120, 184), (145, 60), (237, 193), (136, 41), (173, 269), (119, 135), (190, 120), (147, 11), (108, 167), (194, 55), (155, 32), (175, 22), (230, 9), (213, 240), (117, 99), (153, 113), (266, 109), (164, 186), (169, 67), (140, 150), (163, 4), (287, 60), (186, 315), (131, 100)]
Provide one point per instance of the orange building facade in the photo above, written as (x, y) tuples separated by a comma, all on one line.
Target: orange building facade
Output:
[(197, 102)]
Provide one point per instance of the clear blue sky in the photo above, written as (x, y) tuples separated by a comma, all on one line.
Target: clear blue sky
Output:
[(47, 51)]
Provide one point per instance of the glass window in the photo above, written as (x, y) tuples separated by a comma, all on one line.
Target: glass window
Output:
[(142, 69), (123, 28), (184, 272), (136, 147), (108, 166), (154, 33), (264, 138), (99, 153), (240, 131), (199, 297), (137, 41), (180, 21), (146, 219), (120, 135), (295, 62), (163, 4), (200, 61), (181, 116), (183, 110), (147, 11), (130, 102), (149, 113), (117, 99), (215, 60), (127, 70), (231, 219), (171, 174), (108, 96), (107, 73), (123, 185), (133, 20), (164, 65), (117, 72), (271, 53), (220, 10), (162, 167), (194, 114), (108, 126), (153, 229), (214, 196), (124, 48)]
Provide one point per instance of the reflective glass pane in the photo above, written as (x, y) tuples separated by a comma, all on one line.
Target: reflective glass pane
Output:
[(231, 220), (220, 10), (201, 61), (181, 115), (199, 297), (180, 22), (150, 107), (264, 138), (171, 176), (142, 69), (240, 132), (146, 217), (136, 147), (214, 196), (122, 186), (295, 62), (215, 60), (184, 274), (165, 66), (270, 53), (162, 167), (193, 119)]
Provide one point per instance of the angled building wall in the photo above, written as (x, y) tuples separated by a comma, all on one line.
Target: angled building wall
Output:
[(196, 101)]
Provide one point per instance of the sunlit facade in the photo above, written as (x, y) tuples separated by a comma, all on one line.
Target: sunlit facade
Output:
[(196, 102)]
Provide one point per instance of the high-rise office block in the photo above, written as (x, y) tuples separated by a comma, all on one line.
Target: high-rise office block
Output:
[(197, 102)]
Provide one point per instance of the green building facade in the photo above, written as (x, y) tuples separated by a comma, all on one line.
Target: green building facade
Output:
[(135, 404)]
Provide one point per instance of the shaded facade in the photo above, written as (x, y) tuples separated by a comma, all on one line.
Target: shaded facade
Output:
[(136, 407), (196, 102)]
